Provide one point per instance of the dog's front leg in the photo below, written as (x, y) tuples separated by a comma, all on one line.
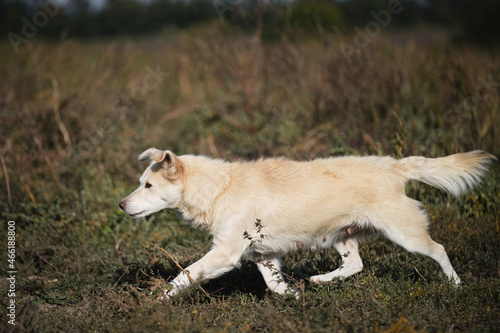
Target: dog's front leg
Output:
[(221, 259)]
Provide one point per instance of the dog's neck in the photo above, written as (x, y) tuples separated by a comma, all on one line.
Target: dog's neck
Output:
[(205, 183)]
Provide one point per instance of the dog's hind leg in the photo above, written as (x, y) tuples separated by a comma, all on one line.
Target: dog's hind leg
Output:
[(269, 265), (409, 230), (351, 262)]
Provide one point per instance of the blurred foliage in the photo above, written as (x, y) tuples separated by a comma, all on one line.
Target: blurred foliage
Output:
[(314, 16), (470, 20)]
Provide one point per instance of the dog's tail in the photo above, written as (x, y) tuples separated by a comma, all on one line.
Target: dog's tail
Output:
[(455, 173)]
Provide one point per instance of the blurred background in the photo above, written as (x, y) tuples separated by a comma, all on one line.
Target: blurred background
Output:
[(466, 20), (87, 85)]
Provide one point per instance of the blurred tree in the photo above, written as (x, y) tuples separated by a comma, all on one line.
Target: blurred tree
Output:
[(475, 20), (315, 16), (123, 17), (479, 20), (10, 15)]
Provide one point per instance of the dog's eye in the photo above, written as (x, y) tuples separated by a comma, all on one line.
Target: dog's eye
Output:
[(148, 185)]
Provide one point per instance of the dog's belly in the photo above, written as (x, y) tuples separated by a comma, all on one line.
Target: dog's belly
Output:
[(325, 238), (291, 243)]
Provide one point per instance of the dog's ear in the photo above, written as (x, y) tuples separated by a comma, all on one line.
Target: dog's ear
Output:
[(170, 164), (151, 152), (166, 160)]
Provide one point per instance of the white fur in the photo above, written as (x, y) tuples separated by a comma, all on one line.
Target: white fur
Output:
[(273, 206)]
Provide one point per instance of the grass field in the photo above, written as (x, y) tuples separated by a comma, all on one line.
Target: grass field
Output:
[(75, 115)]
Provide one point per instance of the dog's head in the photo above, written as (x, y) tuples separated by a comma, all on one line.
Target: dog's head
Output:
[(161, 186)]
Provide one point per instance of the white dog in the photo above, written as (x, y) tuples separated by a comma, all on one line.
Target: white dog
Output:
[(273, 206)]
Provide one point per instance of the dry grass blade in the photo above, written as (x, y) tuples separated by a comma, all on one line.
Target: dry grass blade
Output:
[(3, 151), (7, 183), (38, 142), (56, 101)]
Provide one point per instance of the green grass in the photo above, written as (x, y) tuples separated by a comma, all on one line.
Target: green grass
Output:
[(83, 265)]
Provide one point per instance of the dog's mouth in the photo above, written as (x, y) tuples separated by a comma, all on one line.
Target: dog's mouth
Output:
[(137, 214)]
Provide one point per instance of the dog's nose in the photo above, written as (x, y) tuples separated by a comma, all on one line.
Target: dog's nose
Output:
[(123, 204)]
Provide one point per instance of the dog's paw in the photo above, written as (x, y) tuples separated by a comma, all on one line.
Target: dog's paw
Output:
[(165, 297), (169, 291), (321, 279), (315, 279), (455, 281), (292, 293)]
